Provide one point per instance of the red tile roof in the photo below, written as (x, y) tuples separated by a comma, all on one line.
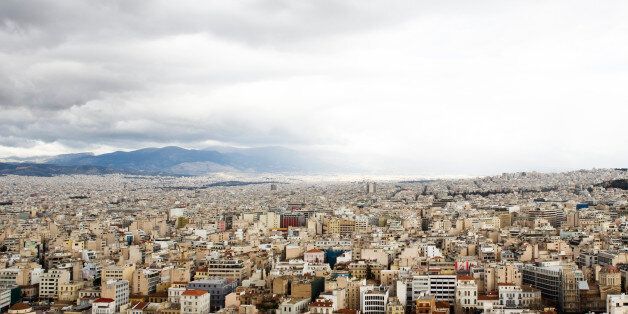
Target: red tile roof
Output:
[(103, 300), (488, 297), (20, 306), (140, 305), (194, 292)]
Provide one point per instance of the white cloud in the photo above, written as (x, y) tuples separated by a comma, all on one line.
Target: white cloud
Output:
[(452, 87)]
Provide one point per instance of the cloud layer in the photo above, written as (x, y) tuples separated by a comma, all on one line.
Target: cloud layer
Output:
[(426, 86)]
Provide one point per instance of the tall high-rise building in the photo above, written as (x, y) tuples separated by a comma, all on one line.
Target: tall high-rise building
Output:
[(371, 188)]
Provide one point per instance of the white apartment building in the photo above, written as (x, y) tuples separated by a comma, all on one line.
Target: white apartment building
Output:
[(466, 293), (195, 302), (617, 304), (118, 290), (293, 306), (5, 299), (104, 306), (175, 291), (49, 282), (8, 276), (512, 296), (443, 287), (373, 299)]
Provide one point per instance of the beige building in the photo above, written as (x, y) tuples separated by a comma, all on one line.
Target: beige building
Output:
[(50, 281), (70, 291), (353, 293), (610, 281), (118, 272), (145, 281), (225, 268), (394, 306), (341, 226), (500, 273)]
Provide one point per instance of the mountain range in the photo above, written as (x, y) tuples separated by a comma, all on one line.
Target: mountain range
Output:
[(174, 160)]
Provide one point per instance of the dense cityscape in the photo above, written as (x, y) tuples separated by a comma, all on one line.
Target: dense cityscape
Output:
[(523, 242)]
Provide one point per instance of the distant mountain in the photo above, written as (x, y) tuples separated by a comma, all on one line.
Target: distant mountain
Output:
[(48, 170), (180, 161)]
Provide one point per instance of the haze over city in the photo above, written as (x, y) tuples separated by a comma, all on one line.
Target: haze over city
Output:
[(411, 87)]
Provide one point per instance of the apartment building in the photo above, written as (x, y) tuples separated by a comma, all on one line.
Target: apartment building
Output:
[(50, 281), (118, 272), (104, 306), (145, 281), (373, 299), (466, 294), (226, 268), (195, 302), (557, 281), (116, 289), (293, 306), (218, 289), (519, 297), (70, 291), (617, 304), (443, 287)]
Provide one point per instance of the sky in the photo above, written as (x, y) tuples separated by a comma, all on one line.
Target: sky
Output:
[(425, 87)]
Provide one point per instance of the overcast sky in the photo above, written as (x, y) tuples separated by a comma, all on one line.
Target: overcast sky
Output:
[(449, 87)]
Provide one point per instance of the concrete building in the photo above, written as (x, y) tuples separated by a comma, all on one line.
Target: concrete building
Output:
[(617, 304), (442, 287), (293, 306), (321, 306), (175, 291), (500, 273), (466, 294), (373, 299), (307, 288), (314, 256), (116, 289), (195, 302), (5, 299), (70, 291), (557, 282), (609, 281), (224, 268), (118, 272), (519, 297), (353, 293), (14, 276), (218, 289), (104, 306), (394, 306), (145, 281), (49, 283)]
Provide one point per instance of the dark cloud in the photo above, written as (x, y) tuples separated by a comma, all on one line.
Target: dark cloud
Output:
[(57, 57), (266, 22)]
